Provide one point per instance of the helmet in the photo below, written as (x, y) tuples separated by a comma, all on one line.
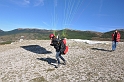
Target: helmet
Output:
[(51, 35)]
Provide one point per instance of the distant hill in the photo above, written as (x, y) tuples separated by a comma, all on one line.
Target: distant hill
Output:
[(17, 31), (27, 34), (1, 30), (108, 35), (42, 34), (76, 34)]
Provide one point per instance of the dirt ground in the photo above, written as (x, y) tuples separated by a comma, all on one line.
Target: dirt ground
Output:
[(34, 61)]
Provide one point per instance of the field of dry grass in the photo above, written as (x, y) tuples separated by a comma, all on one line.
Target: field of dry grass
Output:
[(34, 61)]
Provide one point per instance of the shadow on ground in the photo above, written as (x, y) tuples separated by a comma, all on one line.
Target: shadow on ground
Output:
[(36, 49), (101, 49), (50, 61)]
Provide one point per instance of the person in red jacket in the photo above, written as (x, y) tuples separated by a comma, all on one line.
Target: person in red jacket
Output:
[(115, 39), (59, 48)]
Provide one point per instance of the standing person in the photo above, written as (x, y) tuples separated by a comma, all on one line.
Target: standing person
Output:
[(115, 39), (58, 46)]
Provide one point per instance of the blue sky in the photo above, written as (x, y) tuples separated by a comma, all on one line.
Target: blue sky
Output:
[(93, 15)]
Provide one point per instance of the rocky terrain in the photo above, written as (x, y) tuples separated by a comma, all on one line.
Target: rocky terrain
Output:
[(34, 61)]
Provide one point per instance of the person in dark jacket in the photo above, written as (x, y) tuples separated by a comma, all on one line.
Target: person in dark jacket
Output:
[(115, 39), (59, 48)]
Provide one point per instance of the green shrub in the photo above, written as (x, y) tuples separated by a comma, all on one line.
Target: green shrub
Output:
[(6, 42)]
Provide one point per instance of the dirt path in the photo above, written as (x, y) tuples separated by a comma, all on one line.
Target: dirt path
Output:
[(34, 61)]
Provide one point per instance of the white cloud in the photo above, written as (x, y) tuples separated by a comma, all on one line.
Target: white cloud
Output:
[(45, 23), (39, 2), (101, 4), (28, 2), (55, 3), (21, 2)]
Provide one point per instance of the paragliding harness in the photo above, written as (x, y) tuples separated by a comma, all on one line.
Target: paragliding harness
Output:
[(64, 47)]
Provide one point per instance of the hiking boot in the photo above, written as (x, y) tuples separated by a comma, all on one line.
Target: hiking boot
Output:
[(64, 63), (57, 65)]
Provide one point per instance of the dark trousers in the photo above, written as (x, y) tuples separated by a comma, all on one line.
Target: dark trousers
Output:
[(58, 55)]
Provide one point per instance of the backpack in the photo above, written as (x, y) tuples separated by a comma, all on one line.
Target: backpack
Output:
[(64, 47)]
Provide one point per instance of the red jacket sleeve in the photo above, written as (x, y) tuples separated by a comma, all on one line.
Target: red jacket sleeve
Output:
[(112, 37), (118, 37)]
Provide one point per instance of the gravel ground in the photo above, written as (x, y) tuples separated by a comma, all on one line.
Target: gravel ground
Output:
[(34, 61)]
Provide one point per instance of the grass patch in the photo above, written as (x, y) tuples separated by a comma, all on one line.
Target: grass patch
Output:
[(6, 42)]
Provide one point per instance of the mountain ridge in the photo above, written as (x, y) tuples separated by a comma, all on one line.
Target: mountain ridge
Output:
[(34, 33)]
